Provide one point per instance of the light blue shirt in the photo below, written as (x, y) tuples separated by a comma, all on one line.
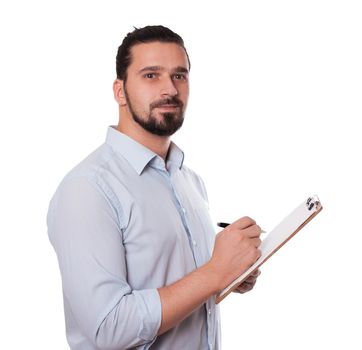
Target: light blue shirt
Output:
[(123, 223)]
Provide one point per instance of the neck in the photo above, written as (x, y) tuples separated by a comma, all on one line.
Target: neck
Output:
[(157, 144)]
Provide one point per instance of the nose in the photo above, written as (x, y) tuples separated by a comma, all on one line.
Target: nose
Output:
[(168, 87)]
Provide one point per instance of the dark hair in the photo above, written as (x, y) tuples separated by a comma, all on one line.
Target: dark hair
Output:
[(143, 35)]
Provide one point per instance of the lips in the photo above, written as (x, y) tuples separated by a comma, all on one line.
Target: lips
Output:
[(168, 106), (170, 103)]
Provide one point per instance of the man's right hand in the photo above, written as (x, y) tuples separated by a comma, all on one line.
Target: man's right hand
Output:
[(236, 249)]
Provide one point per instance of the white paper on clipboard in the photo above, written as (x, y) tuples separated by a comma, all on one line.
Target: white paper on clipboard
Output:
[(294, 222)]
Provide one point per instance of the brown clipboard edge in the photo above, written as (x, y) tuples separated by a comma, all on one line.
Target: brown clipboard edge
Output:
[(218, 298)]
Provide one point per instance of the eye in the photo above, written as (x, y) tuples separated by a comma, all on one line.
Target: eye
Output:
[(150, 75), (180, 76)]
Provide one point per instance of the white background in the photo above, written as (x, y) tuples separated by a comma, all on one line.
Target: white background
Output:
[(273, 117)]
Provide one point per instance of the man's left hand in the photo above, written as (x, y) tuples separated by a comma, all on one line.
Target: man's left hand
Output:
[(249, 283)]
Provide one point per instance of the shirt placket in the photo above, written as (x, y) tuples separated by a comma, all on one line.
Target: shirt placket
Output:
[(209, 305), (183, 214), (209, 310)]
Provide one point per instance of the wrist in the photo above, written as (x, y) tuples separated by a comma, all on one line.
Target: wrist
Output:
[(212, 277)]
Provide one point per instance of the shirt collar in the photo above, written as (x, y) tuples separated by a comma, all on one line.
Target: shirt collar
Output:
[(175, 156), (138, 155)]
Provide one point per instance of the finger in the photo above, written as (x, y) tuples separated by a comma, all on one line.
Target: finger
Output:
[(255, 242), (253, 276), (242, 223), (253, 255), (256, 273), (251, 279), (245, 287), (252, 231)]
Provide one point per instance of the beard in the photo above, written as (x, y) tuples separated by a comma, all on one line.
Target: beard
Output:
[(170, 121)]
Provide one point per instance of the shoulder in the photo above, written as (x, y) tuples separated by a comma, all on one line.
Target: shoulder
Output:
[(93, 165), (87, 183)]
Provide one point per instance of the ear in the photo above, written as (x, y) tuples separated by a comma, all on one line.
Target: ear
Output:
[(119, 93)]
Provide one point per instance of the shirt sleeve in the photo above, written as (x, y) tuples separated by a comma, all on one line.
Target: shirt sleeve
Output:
[(84, 230)]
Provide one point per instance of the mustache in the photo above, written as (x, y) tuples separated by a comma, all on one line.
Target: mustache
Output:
[(175, 101)]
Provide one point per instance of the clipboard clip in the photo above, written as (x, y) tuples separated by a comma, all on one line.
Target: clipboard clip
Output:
[(313, 201)]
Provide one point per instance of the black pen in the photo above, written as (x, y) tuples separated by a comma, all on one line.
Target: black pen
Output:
[(225, 224)]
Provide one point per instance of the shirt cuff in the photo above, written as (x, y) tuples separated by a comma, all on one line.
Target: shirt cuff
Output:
[(150, 310)]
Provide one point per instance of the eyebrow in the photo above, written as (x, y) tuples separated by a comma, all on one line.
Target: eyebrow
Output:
[(158, 68)]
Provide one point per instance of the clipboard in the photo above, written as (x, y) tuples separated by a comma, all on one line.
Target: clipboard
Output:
[(280, 235)]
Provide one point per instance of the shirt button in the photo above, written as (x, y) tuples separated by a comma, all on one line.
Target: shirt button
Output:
[(209, 312), (183, 210), (194, 243)]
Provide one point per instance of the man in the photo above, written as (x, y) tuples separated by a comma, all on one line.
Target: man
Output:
[(139, 261)]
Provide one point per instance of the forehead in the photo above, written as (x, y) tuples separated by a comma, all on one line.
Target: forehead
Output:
[(167, 55)]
